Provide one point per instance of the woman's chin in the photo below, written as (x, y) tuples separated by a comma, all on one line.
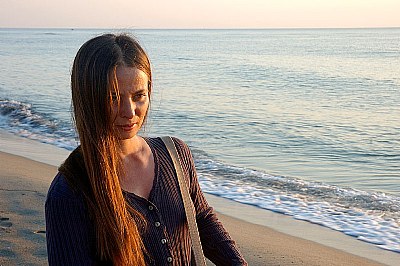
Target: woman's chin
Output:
[(125, 135)]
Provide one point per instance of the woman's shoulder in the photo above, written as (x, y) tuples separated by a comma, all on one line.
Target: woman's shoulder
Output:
[(60, 189), (71, 179)]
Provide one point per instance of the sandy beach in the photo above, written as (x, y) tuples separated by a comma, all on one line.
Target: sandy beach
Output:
[(265, 238)]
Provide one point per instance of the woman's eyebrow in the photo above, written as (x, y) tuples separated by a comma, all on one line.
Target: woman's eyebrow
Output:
[(139, 91), (133, 91)]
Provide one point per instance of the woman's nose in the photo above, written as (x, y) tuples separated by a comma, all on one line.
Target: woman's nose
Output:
[(127, 108)]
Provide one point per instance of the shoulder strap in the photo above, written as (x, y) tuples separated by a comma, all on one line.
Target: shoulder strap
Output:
[(187, 202)]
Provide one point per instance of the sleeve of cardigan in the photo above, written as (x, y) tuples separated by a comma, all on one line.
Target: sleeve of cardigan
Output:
[(217, 245), (67, 226)]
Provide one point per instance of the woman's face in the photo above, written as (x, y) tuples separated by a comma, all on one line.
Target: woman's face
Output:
[(134, 101)]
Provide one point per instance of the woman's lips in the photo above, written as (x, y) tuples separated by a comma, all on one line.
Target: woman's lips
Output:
[(127, 127)]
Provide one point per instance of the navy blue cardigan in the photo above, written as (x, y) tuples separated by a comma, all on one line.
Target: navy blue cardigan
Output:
[(71, 239)]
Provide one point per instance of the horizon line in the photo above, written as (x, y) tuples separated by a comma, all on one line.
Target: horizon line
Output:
[(198, 28)]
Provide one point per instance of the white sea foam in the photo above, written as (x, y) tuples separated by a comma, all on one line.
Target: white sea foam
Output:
[(19, 118), (380, 228)]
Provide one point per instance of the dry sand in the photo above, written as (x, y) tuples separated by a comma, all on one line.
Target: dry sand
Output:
[(23, 187), (22, 228)]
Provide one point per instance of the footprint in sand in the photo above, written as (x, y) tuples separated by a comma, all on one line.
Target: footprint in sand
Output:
[(6, 250), (5, 223)]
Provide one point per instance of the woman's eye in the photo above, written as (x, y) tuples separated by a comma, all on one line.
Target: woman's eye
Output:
[(114, 97), (139, 97)]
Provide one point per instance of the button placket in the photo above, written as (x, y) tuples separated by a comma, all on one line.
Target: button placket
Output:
[(155, 214), (163, 239)]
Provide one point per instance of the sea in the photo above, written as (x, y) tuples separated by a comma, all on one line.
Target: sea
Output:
[(303, 122)]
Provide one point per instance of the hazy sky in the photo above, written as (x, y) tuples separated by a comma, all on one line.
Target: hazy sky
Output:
[(199, 13)]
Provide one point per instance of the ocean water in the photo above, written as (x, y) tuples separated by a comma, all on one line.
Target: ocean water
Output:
[(304, 122)]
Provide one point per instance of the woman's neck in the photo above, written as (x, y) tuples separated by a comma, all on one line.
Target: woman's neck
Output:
[(132, 146)]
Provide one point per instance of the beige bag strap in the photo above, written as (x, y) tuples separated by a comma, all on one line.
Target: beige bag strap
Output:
[(187, 202)]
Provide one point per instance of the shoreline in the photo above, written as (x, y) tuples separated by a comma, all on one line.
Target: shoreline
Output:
[(264, 237)]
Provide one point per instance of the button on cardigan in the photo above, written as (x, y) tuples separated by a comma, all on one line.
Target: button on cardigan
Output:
[(71, 239)]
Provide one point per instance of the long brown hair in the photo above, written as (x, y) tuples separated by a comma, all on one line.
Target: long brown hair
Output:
[(93, 82)]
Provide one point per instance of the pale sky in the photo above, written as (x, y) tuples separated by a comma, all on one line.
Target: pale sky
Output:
[(170, 14)]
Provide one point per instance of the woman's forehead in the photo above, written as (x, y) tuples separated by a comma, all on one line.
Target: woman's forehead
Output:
[(131, 77)]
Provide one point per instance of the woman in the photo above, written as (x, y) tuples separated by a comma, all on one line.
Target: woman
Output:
[(116, 198)]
